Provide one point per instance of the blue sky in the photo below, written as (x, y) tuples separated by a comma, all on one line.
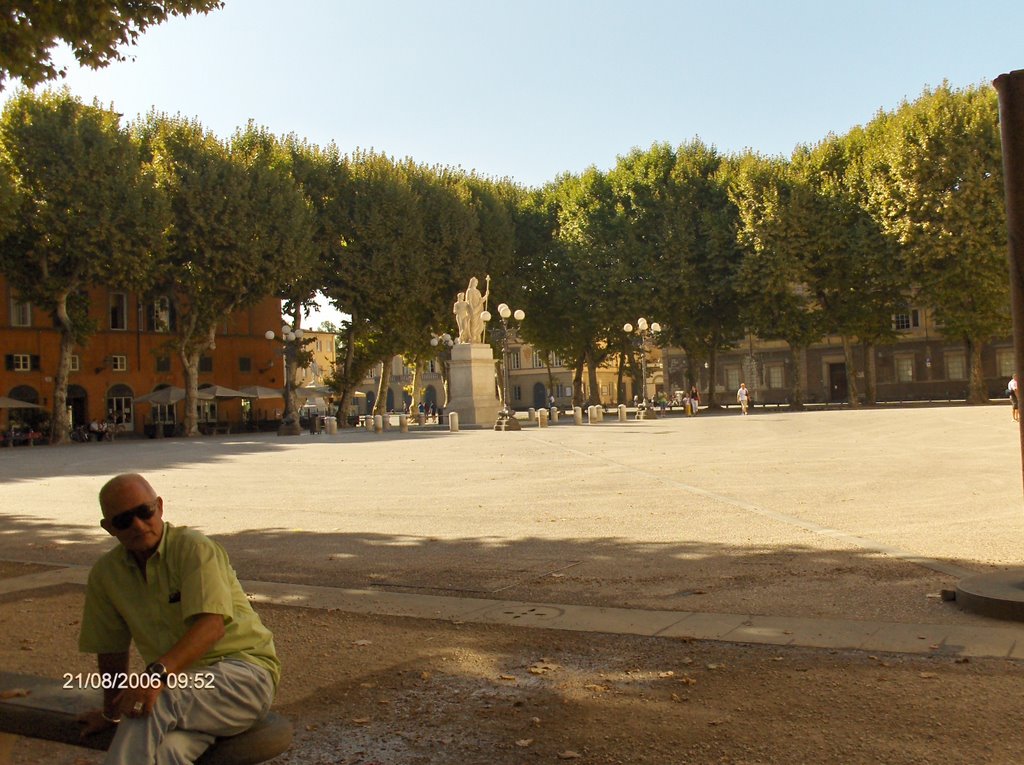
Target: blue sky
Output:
[(532, 88)]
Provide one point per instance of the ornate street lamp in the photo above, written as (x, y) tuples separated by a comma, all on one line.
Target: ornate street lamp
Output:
[(506, 417), (291, 344), (643, 332)]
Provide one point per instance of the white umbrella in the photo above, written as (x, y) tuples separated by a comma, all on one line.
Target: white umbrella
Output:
[(169, 395), (261, 391), (13, 403), (222, 391)]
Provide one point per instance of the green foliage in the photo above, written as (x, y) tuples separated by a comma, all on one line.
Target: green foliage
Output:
[(94, 29), (91, 219), (934, 183)]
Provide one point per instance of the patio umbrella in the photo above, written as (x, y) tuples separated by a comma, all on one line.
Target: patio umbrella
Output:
[(222, 391), (13, 403), (261, 391), (169, 395)]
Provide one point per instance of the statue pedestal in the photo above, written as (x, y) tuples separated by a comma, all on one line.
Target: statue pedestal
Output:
[(471, 384)]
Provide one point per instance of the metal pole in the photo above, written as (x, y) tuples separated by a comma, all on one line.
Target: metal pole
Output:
[(1010, 88)]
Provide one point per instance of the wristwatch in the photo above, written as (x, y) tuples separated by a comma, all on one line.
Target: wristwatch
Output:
[(157, 670)]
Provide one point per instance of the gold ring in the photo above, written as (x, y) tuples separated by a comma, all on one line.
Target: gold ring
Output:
[(138, 707)]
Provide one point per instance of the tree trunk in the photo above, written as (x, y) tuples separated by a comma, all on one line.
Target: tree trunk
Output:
[(417, 376), (291, 369), (851, 374), (977, 393), (347, 369), (870, 375), (190, 362), (380, 405), (799, 353), (551, 378), (60, 423), (712, 363), (595, 387), (577, 381), (620, 388)]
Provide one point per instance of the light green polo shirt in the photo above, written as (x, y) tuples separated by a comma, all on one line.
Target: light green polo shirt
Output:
[(189, 574)]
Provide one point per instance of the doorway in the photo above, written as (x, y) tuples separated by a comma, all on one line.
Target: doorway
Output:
[(837, 390)]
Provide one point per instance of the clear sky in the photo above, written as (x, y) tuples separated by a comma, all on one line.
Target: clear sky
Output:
[(532, 88)]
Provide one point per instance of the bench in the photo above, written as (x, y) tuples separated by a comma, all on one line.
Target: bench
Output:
[(48, 711)]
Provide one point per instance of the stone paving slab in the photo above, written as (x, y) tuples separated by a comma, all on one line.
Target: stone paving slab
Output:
[(1006, 642)]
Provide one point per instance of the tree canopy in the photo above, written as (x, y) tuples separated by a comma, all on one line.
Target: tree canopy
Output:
[(94, 30)]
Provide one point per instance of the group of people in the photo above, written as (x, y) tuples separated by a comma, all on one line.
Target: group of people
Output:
[(429, 411)]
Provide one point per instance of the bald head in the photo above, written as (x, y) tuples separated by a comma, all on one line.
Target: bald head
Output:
[(123, 491)]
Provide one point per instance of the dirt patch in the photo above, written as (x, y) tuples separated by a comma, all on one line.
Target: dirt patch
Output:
[(394, 691)]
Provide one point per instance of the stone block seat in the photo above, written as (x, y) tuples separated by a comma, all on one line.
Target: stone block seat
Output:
[(47, 710)]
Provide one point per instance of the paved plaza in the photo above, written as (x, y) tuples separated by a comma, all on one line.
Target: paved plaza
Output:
[(862, 515), (718, 589)]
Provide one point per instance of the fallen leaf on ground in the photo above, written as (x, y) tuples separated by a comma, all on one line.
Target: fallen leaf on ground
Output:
[(568, 754), (360, 720), (595, 687), (524, 742), (928, 675), (362, 642), (14, 693), (670, 673)]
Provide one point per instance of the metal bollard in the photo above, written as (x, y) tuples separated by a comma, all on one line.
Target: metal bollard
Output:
[(554, 414), (531, 414), (577, 415), (378, 423), (403, 423), (622, 413), (453, 422), (542, 418)]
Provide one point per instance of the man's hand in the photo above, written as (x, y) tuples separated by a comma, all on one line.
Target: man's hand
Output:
[(93, 722), (136, 702)]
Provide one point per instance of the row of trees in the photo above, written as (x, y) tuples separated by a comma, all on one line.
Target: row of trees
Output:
[(830, 241)]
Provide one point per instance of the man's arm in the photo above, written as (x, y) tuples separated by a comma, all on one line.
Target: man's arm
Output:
[(202, 635), (112, 665)]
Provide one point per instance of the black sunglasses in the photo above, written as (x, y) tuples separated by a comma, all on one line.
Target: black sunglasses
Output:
[(124, 520)]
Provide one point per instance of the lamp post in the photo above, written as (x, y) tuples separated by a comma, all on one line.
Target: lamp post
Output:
[(640, 337), (444, 343), (506, 417), (291, 344)]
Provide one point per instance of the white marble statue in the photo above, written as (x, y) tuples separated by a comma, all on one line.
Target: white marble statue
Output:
[(461, 309), (477, 305)]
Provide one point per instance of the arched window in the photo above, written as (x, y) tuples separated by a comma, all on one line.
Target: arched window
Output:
[(119, 406)]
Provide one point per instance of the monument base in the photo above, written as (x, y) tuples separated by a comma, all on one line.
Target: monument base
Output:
[(507, 422), (473, 392)]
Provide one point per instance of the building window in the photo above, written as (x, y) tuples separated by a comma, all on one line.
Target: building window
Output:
[(159, 314), (956, 366), (163, 363), (1005, 362), (732, 378), (118, 310), (119, 363), (207, 411), (244, 364), (22, 362), (517, 393), (905, 369), (163, 413), (21, 313), (206, 363), (775, 375), (514, 361), (902, 322), (119, 405), (76, 363)]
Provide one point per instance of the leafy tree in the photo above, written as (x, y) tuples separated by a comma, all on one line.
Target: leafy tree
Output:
[(935, 185), (91, 219), (375, 271), (698, 294), (239, 230), (779, 234), (94, 29), (854, 269)]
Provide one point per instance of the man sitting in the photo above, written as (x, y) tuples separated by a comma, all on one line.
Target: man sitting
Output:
[(211, 665)]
